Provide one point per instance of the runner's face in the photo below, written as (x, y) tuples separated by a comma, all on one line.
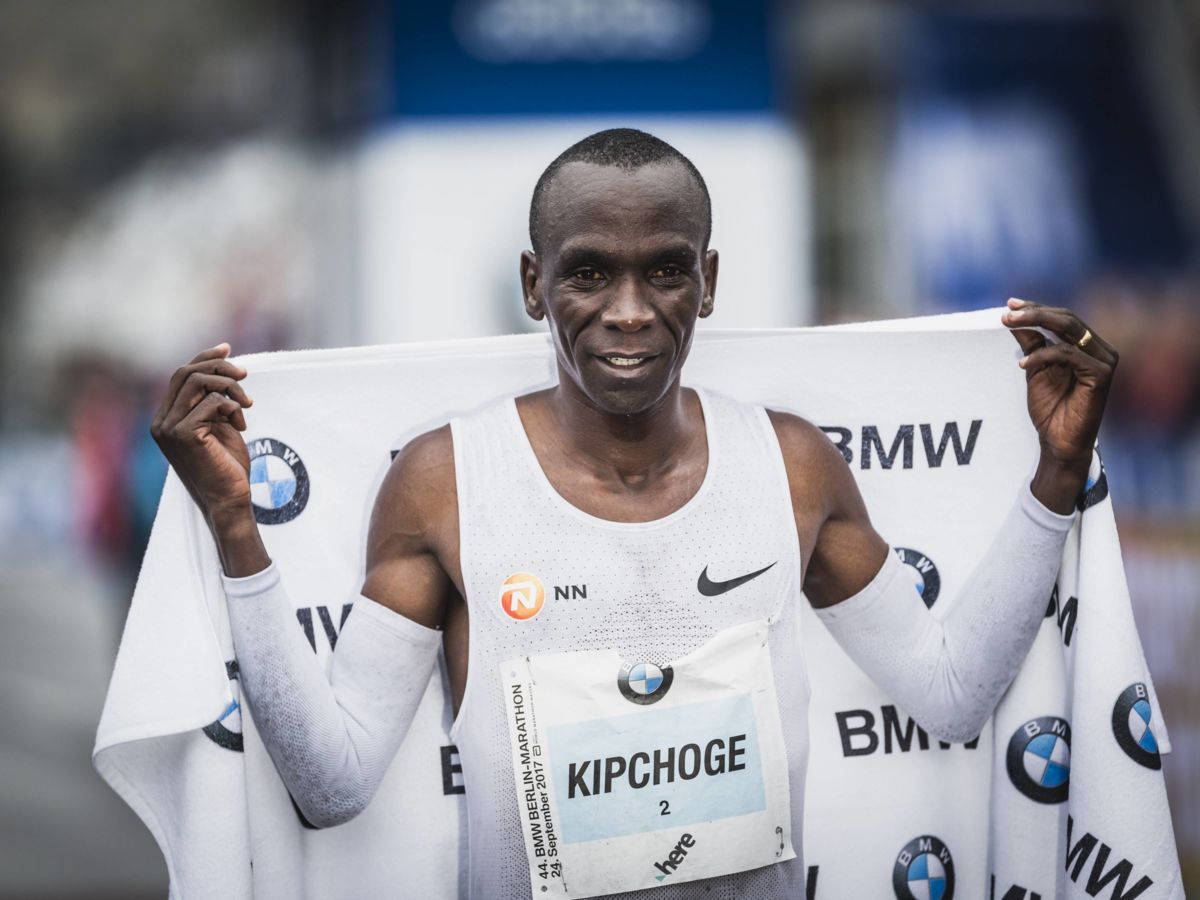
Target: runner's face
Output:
[(622, 278)]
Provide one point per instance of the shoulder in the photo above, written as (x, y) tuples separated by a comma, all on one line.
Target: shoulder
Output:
[(820, 482), (419, 487), (805, 447), (840, 548), (412, 546)]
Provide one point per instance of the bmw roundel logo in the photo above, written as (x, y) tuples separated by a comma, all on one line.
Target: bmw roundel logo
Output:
[(226, 730), (644, 683), (1096, 488), (924, 870), (278, 482), (930, 584), (1039, 759), (1131, 726)]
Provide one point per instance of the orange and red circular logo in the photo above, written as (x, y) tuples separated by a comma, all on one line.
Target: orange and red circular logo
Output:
[(522, 596)]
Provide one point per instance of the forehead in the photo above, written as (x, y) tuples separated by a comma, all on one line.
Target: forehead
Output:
[(589, 202)]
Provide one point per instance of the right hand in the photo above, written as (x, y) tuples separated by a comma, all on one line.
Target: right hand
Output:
[(198, 427)]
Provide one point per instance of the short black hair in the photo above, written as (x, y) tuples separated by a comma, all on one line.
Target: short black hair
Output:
[(626, 148)]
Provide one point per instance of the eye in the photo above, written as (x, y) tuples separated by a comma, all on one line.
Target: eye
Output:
[(588, 275), (670, 270)]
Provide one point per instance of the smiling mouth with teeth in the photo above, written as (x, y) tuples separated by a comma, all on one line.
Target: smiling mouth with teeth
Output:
[(625, 360)]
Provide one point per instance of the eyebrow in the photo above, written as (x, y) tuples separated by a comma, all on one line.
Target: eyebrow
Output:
[(577, 256)]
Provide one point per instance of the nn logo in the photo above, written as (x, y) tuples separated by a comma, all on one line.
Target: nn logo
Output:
[(1101, 875), (675, 857), (856, 727), (522, 596), (871, 445)]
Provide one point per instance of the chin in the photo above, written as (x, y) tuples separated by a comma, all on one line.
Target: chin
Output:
[(625, 401)]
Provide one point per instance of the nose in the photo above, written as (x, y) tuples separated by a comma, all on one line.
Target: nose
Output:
[(627, 310)]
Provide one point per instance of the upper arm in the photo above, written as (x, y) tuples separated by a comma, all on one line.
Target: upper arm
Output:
[(841, 550), (413, 524)]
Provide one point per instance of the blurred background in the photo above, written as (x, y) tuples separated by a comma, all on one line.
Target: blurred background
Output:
[(307, 174)]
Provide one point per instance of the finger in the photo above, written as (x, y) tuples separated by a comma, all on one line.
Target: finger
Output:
[(201, 383), (215, 365), (198, 385), (231, 411), (222, 349), (1071, 329), (1067, 326), (214, 408), (209, 360), (237, 419), (1064, 355), (1028, 339)]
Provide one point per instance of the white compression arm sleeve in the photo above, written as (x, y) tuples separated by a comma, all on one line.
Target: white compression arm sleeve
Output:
[(331, 739), (949, 672)]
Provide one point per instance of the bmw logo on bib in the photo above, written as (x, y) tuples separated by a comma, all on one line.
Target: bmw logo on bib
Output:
[(278, 482), (1039, 759), (644, 683), (1131, 726), (924, 870)]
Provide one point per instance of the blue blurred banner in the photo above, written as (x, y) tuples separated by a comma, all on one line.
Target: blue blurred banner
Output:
[(1028, 158), (581, 57), (483, 94)]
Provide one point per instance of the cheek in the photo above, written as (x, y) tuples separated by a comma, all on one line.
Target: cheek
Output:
[(564, 337), (681, 315), (570, 317)]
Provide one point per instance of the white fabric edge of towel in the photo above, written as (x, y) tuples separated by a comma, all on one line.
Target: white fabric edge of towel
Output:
[(538, 343), (106, 739)]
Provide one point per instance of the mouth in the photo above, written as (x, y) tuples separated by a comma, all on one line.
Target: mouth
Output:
[(627, 363)]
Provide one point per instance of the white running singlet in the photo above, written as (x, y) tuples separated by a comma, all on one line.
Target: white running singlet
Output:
[(635, 714)]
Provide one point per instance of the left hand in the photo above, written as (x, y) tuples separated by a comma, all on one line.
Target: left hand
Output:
[(1067, 387)]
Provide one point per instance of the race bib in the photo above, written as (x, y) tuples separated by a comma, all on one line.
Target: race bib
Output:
[(630, 775)]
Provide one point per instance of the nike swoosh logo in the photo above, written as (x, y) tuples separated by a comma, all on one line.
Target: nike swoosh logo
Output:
[(716, 588)]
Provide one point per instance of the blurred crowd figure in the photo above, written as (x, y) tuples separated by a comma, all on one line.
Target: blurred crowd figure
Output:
[(1152, 439), (117, 476), (117, 469)]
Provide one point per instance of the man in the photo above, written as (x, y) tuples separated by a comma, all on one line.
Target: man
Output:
[(623, 477)]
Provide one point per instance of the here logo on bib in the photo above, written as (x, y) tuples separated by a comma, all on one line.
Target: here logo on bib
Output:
[(632, 775)]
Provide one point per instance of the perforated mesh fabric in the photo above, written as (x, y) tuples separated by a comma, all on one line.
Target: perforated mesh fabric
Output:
[(331, 739), (949, 671), (641, 600)]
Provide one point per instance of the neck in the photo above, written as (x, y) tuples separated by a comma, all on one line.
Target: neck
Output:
[(633, 447)]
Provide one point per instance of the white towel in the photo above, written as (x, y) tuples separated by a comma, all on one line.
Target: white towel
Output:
[(931, 415)]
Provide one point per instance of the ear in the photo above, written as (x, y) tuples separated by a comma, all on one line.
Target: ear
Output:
[(710, 267), (531, 274)]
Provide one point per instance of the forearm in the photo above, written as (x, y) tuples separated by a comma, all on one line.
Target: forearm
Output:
[(949, 672), (1058, 483), (239, 543), (330, 739)]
